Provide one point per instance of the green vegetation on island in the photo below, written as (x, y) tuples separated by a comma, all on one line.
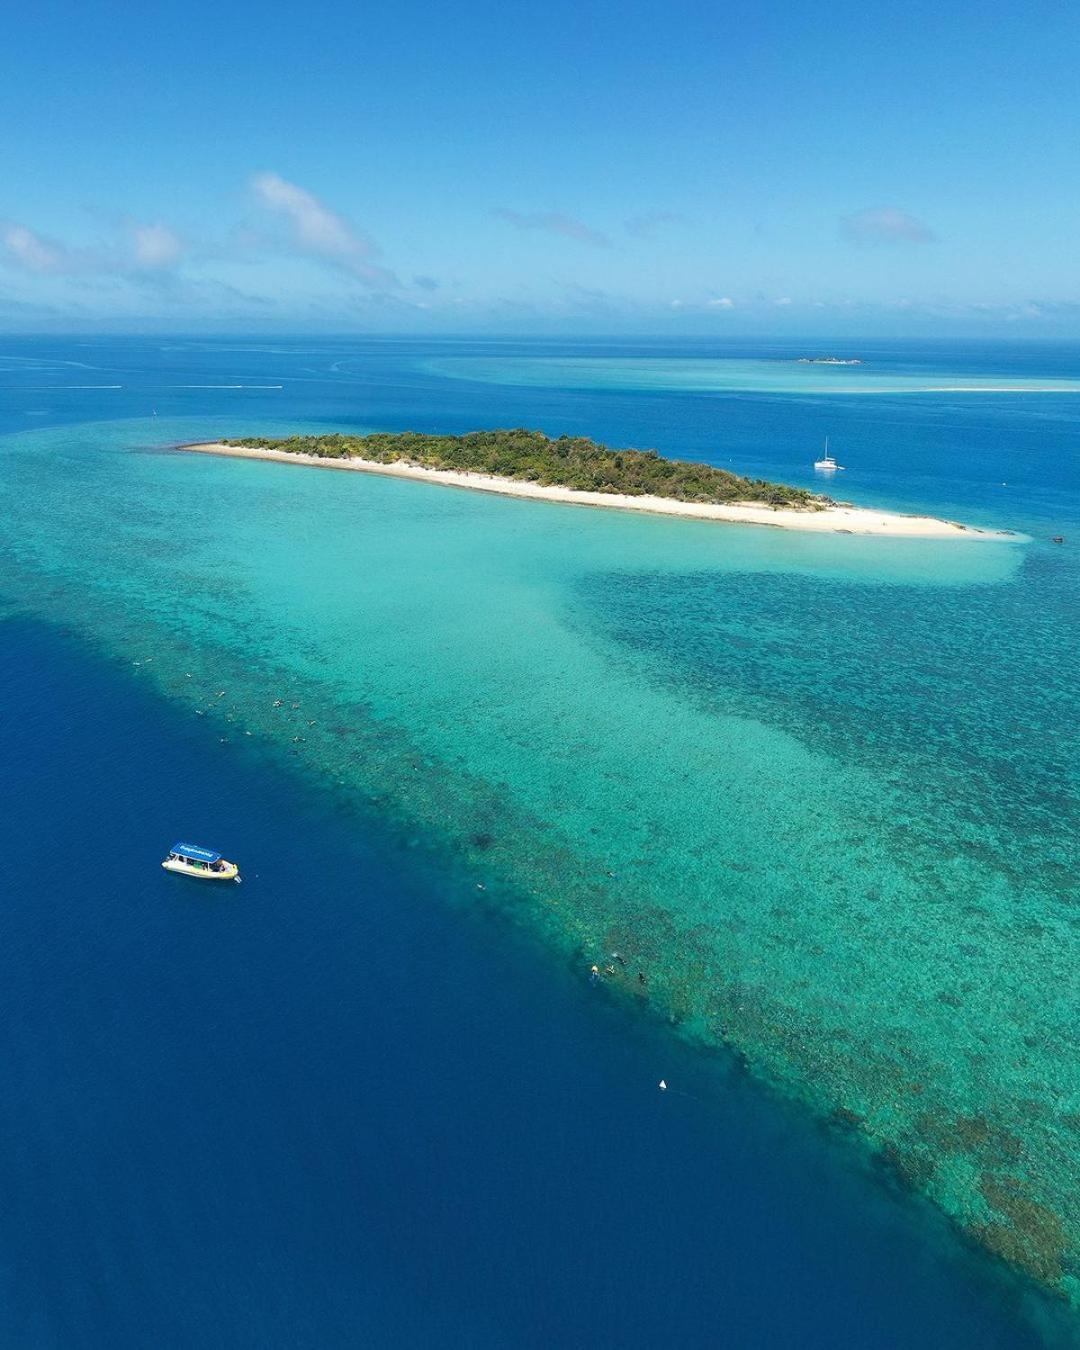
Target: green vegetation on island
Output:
[(566, 461)]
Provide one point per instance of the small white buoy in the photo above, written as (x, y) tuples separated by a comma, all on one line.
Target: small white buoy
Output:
[(663, 1086)]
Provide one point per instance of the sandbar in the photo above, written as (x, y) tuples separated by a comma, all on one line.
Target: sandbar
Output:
[(838, 519)]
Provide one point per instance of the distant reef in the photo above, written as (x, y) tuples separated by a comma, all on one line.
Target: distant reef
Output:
[(829, 361)]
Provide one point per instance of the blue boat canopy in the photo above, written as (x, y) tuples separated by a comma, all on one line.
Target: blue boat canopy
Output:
[(206, 855)]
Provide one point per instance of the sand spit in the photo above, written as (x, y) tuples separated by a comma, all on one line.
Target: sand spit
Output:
[(833, 519)]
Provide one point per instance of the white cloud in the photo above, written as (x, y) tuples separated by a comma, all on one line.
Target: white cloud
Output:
[(554, 222), (318, 232), (722, 302), (586, 298), (155, 248), (33, 252), (782, 301), (649, 225), (146, 249), (885, 225)]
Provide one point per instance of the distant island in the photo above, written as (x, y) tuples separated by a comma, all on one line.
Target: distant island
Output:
[(574, 470), (828, 361)]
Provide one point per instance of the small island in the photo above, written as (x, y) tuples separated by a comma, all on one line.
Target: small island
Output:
[(582, 472), (829, 361), (573, 462)]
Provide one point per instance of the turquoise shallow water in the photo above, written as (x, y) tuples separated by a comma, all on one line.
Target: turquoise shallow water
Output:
[(726, 375), (819, 795)]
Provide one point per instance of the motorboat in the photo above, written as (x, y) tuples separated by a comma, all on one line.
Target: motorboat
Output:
[(191, 860)]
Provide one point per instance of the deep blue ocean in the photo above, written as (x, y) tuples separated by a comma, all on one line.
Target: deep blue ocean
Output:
[(330, 1108)]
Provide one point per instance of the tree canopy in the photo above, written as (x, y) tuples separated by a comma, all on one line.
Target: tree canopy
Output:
[(566, 461)]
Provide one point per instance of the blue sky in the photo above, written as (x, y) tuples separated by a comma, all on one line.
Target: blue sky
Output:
[(593, 167)]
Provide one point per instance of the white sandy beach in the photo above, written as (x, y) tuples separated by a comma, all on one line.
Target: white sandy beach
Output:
[(833, 519)]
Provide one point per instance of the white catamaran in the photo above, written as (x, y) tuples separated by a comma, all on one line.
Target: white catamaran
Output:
[(826, 464)]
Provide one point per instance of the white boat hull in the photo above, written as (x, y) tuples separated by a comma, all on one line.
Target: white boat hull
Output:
[(228, 871)]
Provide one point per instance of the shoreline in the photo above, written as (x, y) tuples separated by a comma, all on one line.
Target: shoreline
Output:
[(830, 520)]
